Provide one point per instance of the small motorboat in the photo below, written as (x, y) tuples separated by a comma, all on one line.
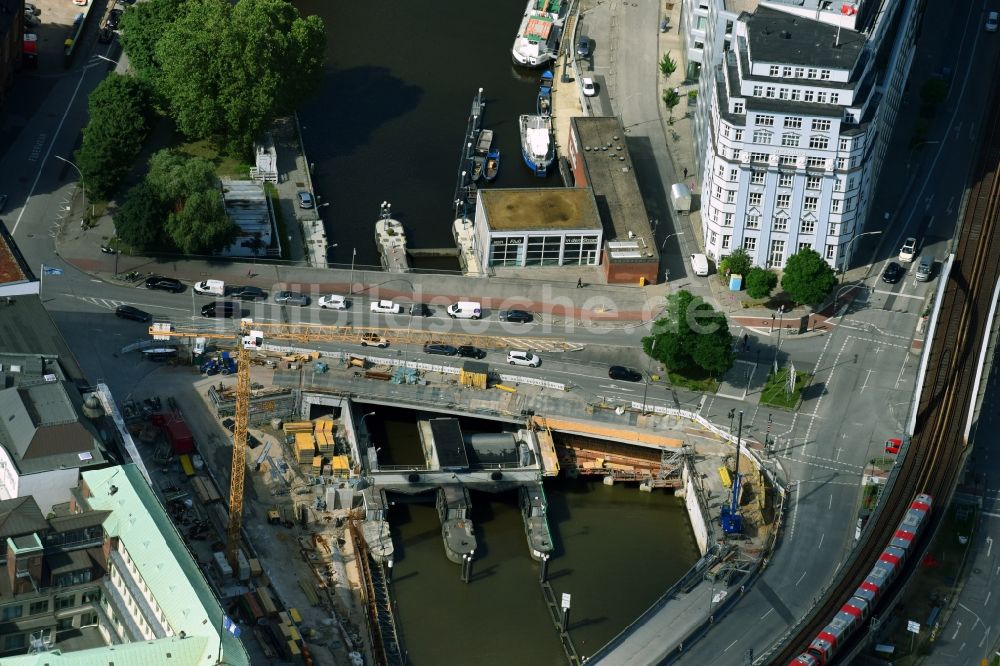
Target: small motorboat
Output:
[(478, 166), (492, 165), (544, 105)]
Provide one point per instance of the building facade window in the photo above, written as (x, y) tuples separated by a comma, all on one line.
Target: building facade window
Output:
[(749, 243), (777, 257), (738, 133), (712, 237), (783, 201), (811, 73), (758, 91), (758, 157), (810, 203), (796, 94), (814, 182), (831, 252), (789, 140), (819, 142), (727, 219), (807, 227), (754, 198), (757, 177), (774, 70), (765, 120), (787, 160), (834, 98), (14, 642), (808, 96), (725, 242), (821, 97), (39, 607), (786, 72), (804, 245), (11, 612), (779, 223), (785, 179), (761, 136), (799, 72), (793, 122), (738, 109), (844, 144), (819, 125), (730, 196), (753, 222), (815, 162), (769, 92), (66, 602), (835, 205), (824, 75)]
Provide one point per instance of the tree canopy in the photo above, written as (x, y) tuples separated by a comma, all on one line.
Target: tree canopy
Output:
[(178, 206), (691, 335), (807, 277), (760, 282), (738, 262), (142, 27), (227, 70), (120, 114)]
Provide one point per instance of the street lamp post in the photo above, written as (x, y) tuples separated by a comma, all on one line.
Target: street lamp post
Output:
[(83, 185), (668, 237), (781, 321), (847, 251), (649, 366)]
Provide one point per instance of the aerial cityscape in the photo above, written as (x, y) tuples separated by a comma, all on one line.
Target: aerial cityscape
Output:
[(652, 333)]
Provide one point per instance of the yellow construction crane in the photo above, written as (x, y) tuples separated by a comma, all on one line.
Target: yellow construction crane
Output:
[(251, 335)]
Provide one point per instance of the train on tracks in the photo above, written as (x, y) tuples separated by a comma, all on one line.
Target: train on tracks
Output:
[(853, 614)]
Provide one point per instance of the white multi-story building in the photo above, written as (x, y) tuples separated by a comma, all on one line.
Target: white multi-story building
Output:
[(795, 112)]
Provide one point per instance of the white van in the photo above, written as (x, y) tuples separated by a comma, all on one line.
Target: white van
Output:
[(210, 287), (466, 310), (699, 263)]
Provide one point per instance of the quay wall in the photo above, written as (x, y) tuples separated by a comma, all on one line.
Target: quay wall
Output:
[(697, 512)]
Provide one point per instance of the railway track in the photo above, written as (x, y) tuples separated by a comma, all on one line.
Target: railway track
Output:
[(935, 454)]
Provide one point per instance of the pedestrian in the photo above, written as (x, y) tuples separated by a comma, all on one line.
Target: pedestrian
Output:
[(685, 173), (746, 342), (579, 283), (249, 272)]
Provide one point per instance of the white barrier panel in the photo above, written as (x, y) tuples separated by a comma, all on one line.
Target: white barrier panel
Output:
[(533, 381)]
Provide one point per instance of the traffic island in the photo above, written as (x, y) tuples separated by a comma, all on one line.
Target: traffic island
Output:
[(779, 390)]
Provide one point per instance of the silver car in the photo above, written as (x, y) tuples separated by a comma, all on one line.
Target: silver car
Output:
[(291, 298)]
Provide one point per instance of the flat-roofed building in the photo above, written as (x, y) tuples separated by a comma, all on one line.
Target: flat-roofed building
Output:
[(556, 226), (601, 162)]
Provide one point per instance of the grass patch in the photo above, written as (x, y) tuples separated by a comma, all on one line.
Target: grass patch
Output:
[(695, 379), (775, 389), (224, 166), (870, 497)]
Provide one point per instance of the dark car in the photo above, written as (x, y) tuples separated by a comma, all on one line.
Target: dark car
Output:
[(135, 314), (246, 293), (305, 200), (438, 348), (621, 373), (516, 316), (221, 309), (291, 298), (893, 273), (583, 47), (113, 18), (468, 351), (420, 310), (164, 284), (106, 35)]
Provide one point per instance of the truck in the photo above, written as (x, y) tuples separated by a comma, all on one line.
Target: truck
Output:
[(680, 197), (210, 288)]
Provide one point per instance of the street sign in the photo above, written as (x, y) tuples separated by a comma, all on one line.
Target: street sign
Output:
[(565, 600), (913, 626)]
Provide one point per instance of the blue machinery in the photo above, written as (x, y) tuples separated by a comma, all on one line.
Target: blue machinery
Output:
[(732, 521)]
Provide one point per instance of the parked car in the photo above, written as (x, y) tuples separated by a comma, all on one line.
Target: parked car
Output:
[(992, 20), (113, 17), (373, 339), (385, 307), (925, 269), (621, 373), (291, 298), (305, 199), (589, 89), (31, 20), (225, 309), (516, 316), (893, 273), (420, 310), (468, 351), (908, 252), (135, 314), (523, 358), (583, 46), (333, 302), (892, 446), (105, 35), (439, 348), (164, 284), (246, 293)]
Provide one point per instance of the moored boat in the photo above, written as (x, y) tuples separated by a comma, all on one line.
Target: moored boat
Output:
[(544, 105), (492, 165), (537, 40), (477, 164), (484, 142), (536, 143)]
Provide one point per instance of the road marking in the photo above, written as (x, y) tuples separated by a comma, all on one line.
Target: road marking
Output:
[(988, 594), (731, 645), (957, 629), (897, 295), (829, 505), (867, 377), (769, 611), (821, 537), (901, 369), (989, 545), (800, 579)]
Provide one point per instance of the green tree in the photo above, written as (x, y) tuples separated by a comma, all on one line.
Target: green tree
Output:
[(175, 177), (142, 27), (760, 282), (690, 335), (229, 69), (202, 225), (140, 220), (671, 99), (738, 262), (807, 278), (120, 115), (668, 65)]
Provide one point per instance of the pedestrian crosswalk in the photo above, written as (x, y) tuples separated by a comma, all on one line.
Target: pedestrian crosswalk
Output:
[(105, 303)]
